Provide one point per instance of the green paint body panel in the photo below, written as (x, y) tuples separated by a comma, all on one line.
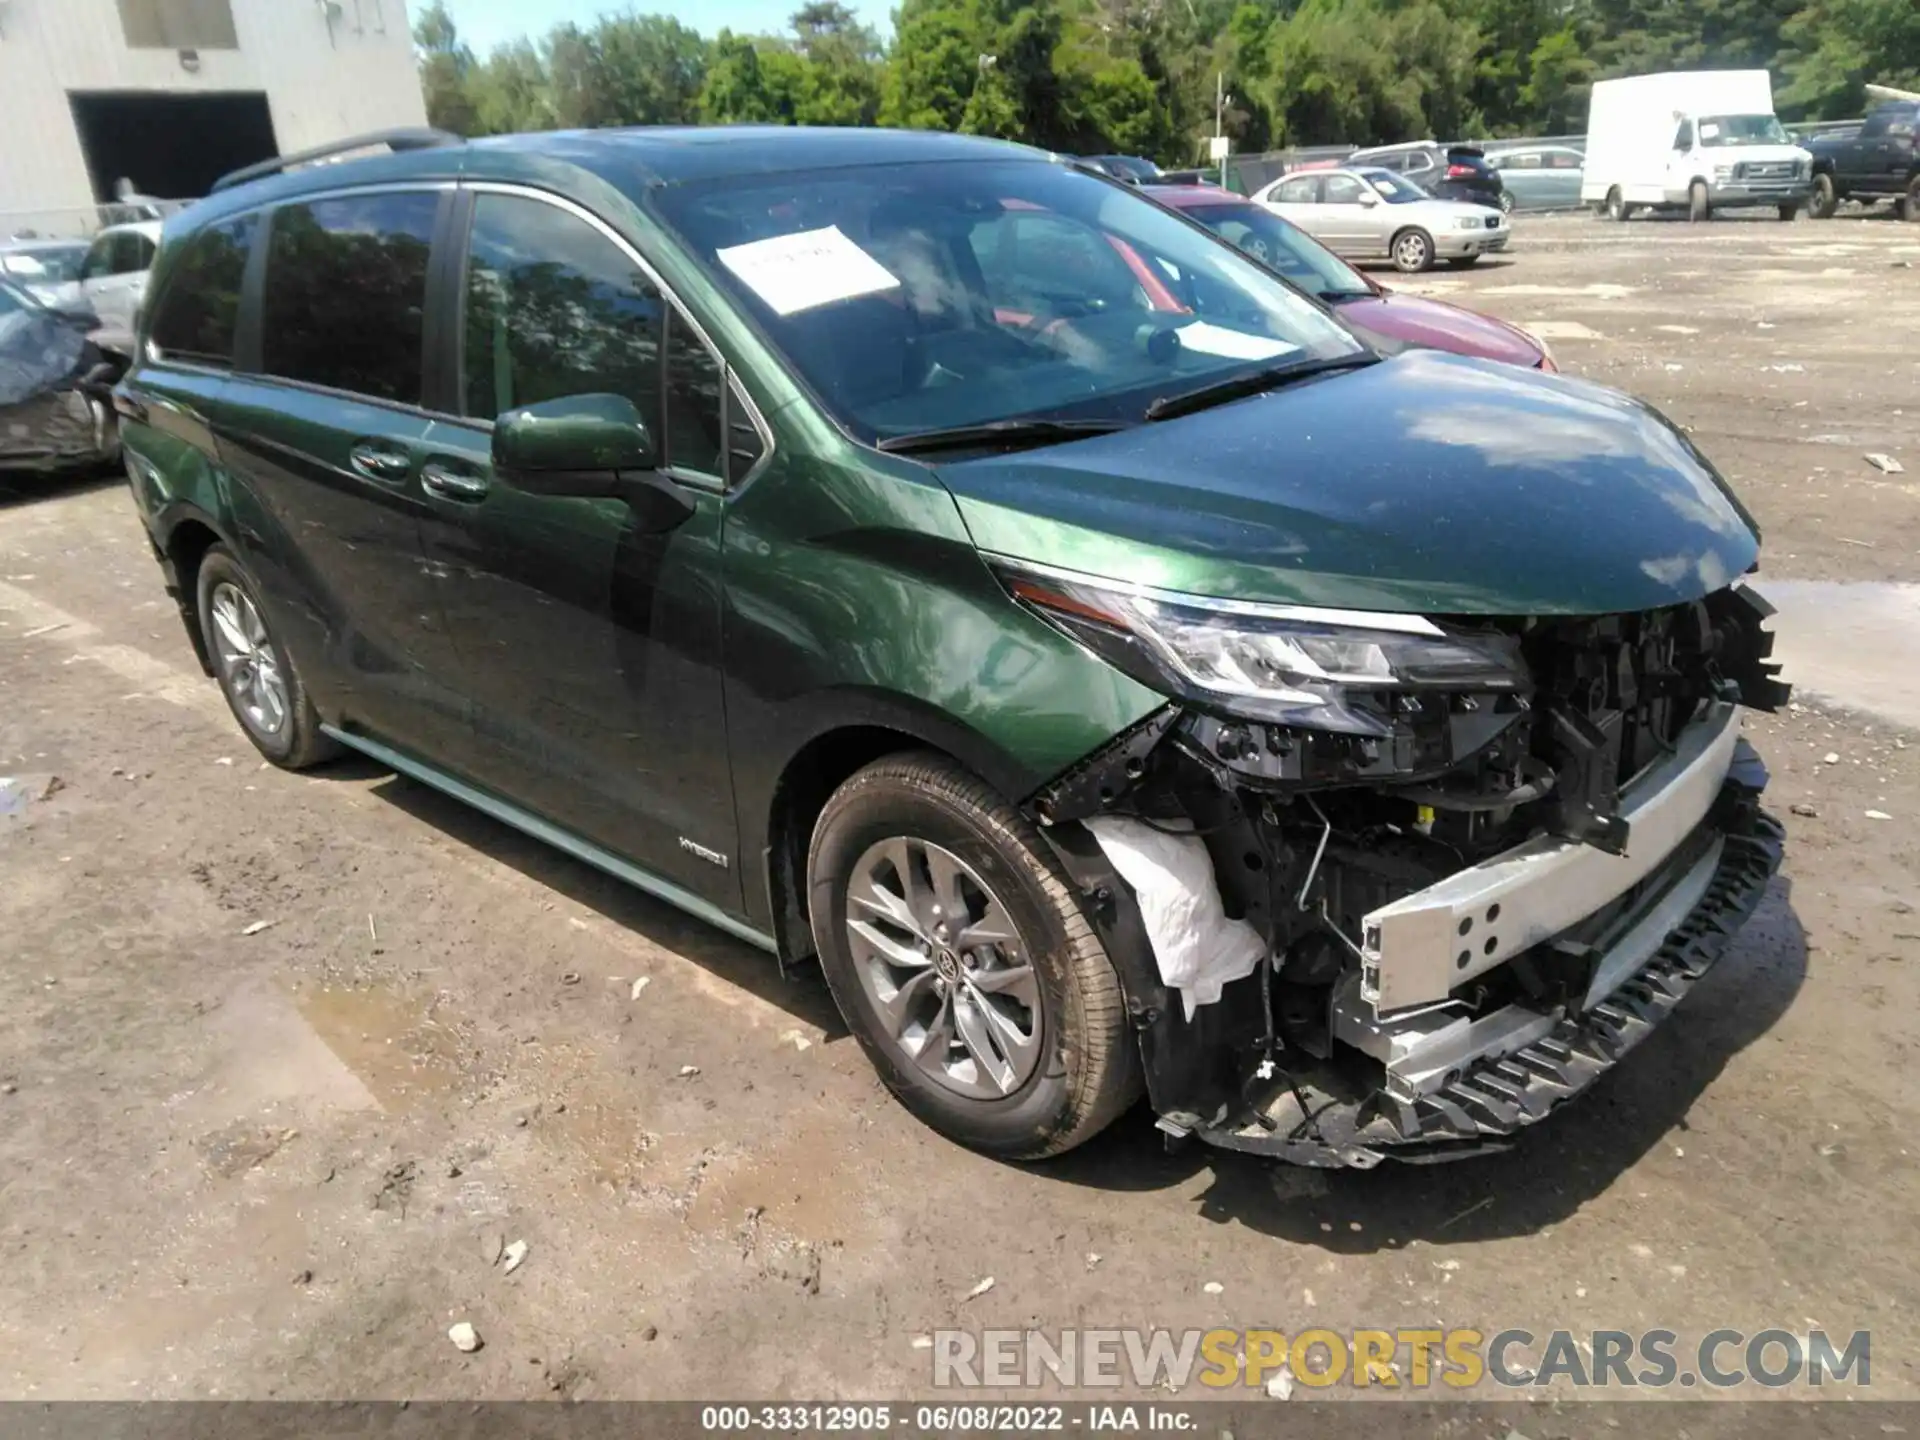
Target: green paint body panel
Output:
[(682, 679)]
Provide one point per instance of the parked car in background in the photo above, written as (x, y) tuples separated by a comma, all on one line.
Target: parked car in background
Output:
[(1370, 214), (1369, 307), (1879, 161), (832, 533), (1131, 168), (113, 276), (48, 270), (1447, 172), (55, 411), (1539, 177), (1691, 140)]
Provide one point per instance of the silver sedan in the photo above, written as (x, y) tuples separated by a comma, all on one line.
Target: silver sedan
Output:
[(1369, 214)]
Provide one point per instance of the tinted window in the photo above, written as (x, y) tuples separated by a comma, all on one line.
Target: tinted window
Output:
[(140, 252), (555, 308), (346, 287), (696, 436), (198, 313), (12, 302), (1298, 192)]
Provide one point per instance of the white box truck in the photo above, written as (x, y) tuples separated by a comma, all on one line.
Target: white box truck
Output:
[(1690, 140)]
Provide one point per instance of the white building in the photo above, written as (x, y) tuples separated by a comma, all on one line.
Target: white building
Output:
[(168, 95)]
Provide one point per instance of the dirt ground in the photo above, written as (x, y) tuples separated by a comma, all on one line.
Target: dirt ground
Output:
[(239, 1161)]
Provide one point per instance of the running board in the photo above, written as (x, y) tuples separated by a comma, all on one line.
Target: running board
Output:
[(545, 830)]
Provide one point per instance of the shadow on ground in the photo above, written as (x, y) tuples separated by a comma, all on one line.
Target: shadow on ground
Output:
[(1570, 1158), (803, 996), (1573, 1156)]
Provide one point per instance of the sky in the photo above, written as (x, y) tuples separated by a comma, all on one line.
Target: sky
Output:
[(484, 24)]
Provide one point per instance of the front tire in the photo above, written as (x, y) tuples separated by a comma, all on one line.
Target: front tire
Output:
[(1910, 202), (1618, 210), (256, 674), (1412, 251), (955, 949), (1699, 207), (1789, 214), (1825, 200), (1462, 262)]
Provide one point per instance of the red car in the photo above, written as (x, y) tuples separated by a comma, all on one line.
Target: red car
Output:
[(1369, 307)]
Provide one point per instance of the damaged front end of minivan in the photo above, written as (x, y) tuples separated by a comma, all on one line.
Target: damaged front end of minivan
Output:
[(1387, 886)]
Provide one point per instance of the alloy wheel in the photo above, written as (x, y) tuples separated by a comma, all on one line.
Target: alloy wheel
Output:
[(249, 665), (945, 968), (1410, 252)]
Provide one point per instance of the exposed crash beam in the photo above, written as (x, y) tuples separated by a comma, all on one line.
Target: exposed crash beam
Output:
[(1417, 950)]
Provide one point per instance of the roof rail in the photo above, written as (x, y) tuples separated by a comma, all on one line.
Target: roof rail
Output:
[(396, 141)]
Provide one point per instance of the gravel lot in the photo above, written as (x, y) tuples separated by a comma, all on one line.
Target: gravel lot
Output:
[(279, 1162)]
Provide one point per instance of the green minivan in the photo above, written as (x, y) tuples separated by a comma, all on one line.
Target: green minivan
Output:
[(917, 554)]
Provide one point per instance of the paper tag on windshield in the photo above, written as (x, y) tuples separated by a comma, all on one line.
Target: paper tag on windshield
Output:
[(1209, 339), (808, 269), (1709, 132)]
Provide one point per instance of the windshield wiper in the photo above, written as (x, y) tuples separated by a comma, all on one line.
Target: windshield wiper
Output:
[(1251, 382), (996, 432)]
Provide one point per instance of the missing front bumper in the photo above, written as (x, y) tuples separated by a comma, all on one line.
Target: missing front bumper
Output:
[(1527, 1064)]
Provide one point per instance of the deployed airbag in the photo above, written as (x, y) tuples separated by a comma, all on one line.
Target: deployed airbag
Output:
[(1198, 949)]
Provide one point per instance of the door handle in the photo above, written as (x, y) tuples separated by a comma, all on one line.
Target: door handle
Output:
[(376, 463), (460, 485)]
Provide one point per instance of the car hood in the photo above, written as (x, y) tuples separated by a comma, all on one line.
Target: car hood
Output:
[(1427, 482), (1435, 213), (1413, 320)]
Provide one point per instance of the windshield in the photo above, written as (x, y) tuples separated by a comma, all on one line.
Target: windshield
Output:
[(918, 297), (43, 265), (1279, 246), (1129, 167), (1392, 188), (1742, 130)]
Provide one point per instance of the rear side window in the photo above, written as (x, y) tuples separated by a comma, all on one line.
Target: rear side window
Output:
[(554, 308), (200, 310), (346, 291)]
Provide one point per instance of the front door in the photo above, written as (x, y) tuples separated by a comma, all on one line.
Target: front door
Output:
[(324, 433), (1351, 227), (588, 630)]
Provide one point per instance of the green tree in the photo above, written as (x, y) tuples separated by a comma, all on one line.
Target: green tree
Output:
[(1834, 48), (446, 69)]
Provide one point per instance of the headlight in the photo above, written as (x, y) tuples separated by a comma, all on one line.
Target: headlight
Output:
[(1323, 669), (1468, 222), (1723, 172)]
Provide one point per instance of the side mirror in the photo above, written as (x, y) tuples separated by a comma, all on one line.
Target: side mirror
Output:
[(1368, 197), (578, 445)]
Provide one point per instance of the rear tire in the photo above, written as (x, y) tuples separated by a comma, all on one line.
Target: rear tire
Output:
[(1412, 251), (1699, 208), (257, 676), (1506, 202), (1060, 1060), (1825, 199), (1910, 202)]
